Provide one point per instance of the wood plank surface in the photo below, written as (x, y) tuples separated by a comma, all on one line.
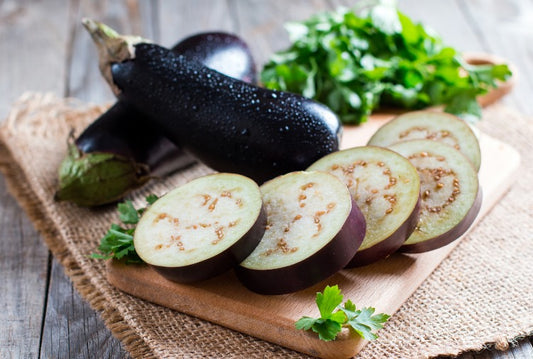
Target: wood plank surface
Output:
[(507, 28), (179, 19), (71, 328), (31, 59), (24, 267), (47, 51)]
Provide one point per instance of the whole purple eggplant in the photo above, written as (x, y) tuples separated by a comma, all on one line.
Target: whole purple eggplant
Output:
[(228, 124), (122, 149)]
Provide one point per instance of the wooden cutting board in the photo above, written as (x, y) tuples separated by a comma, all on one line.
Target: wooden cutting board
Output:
[(385, 285)]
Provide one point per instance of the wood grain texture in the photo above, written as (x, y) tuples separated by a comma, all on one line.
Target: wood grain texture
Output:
[(260, 23), (84, 80), (32, 43), (272, 317), (24, 262), (48, 53), (23, 267), (506, 26), (72, 329), (179, 19)]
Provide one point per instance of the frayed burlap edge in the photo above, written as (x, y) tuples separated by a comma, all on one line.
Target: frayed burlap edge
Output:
[(17, 185)]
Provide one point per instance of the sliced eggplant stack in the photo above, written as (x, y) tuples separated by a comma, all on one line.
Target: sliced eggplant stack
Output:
[(202, 228), (450, 194), (386, 187), (313, 230), (437, 126)]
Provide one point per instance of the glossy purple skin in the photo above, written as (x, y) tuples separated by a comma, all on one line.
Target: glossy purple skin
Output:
[(389, 245), (223, 261), (222, 52), (227, 124), (451, 235), (319, 266), (125, 131), (122, 130)]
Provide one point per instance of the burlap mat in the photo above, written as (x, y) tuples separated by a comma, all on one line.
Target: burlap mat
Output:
[(480, 296)]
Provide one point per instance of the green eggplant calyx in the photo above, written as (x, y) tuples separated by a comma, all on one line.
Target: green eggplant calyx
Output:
[(112, 47), (96, 178)]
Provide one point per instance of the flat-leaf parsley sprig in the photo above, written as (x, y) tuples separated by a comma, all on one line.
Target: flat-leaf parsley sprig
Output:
[(358, 60), (333, 317), (118, 241)]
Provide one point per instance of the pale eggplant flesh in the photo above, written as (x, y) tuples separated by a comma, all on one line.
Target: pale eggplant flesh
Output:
[(450, 194), (313, 230), (437, 126), (386, 187), (203, 228)]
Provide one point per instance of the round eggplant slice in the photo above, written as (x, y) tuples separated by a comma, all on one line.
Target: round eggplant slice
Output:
[(202, 228), (386, 187), (313, 230), (450, 194), (437, 126)]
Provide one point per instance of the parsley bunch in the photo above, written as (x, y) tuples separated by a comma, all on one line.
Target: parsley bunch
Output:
[(333, 317), (355, 62), (118, 241)]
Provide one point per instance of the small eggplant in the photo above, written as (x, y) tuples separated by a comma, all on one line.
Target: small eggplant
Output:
[(122, 149), (228, 124)]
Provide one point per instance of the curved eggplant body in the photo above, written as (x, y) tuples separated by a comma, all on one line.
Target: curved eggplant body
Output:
[(122, 130), (222, 52), (122, 149), (228, 124)]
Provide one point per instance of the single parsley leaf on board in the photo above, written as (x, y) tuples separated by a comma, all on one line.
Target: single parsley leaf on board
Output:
[(333, 317), (117, 243), (328, 301), (330, 323), (362, 321), (327, 329)]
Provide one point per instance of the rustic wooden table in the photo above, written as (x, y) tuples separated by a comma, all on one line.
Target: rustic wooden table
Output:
[(43, 48)]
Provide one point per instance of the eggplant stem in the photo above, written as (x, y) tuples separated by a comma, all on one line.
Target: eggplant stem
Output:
[(112, 47), (71, 144)]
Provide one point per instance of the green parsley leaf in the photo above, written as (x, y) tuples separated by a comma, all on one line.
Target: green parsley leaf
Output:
[(363, 322), (333, 317), (327, 329), (465, 105), (355, 61), (305, 323), (127, 213), (118, 241), (328, 301), (151, 198)]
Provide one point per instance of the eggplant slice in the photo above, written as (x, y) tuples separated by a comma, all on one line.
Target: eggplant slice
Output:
[(450, 194), (437, 126), (386, 187), (202, 228), (313, 230)]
